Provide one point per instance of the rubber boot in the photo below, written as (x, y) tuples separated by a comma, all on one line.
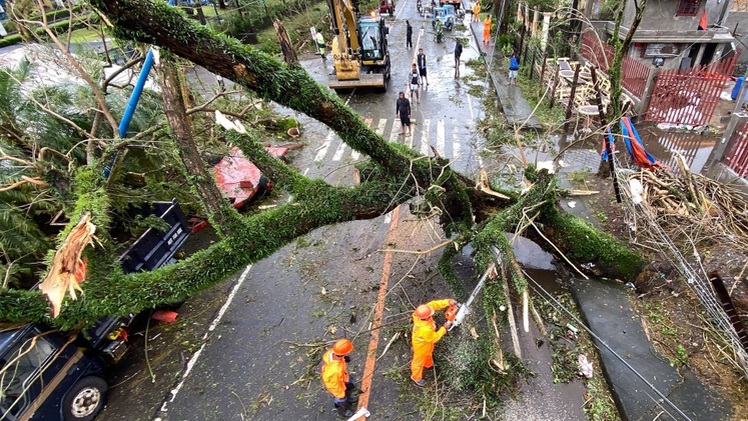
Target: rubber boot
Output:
[(344, 410)]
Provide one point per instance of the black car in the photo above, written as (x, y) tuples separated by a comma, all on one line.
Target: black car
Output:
[(50, 375)]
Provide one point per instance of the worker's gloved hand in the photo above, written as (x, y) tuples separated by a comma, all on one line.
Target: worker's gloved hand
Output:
[(447, 325), (452, 302), (347, 359)]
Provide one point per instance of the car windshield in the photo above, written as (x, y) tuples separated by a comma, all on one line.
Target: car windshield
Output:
[(371, 43), (370, 37), (19, 366)]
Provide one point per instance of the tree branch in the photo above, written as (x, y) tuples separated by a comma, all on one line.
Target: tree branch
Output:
[(79, 69)]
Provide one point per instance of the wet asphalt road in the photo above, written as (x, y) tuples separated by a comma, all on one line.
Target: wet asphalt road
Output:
[(444, 119), (260, 361)]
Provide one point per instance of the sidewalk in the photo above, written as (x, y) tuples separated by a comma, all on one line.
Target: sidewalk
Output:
[(633, 369), (516, 108)]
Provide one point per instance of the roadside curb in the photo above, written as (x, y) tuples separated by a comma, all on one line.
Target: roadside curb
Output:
[(642, 382), (516, 109)]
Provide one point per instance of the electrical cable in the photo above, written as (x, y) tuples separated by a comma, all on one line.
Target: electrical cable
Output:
[(697, 282)]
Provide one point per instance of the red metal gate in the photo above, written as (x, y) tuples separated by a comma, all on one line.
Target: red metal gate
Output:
[(737, 153), (689, 96), (634, 75)]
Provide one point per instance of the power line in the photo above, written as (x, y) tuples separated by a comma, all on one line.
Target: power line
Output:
[(555, 303)]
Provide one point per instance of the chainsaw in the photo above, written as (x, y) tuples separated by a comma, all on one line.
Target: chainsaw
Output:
[(456, 314)]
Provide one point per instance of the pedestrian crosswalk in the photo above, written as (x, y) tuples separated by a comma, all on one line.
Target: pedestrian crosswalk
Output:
[(450, 138)]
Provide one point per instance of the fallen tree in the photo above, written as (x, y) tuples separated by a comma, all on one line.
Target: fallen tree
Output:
[(394, 175)]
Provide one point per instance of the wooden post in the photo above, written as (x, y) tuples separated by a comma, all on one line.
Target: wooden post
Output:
[(532, 65), (553, 90), (201, 15), (604, 124), (572, 95), (524, 56), (542, 68)]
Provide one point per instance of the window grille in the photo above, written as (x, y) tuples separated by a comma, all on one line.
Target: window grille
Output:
[(688, 7)]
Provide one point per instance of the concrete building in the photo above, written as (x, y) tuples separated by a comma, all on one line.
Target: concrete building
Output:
[(737, 22), (668, 35)]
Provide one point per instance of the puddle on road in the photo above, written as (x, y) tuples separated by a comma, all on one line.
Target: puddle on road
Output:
[(663, 145), (537, 263)]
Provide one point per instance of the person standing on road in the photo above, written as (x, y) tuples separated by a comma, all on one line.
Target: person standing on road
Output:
[(336, 379), (425, 335), (408, 35), (421, 60), (414, 83), (513, 68), (320, 40), (476, 11), (458, 53), (487, 30), (402, 109)]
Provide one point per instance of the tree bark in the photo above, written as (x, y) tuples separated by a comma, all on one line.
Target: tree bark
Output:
[(289, 54), (316, 204), (213, 202)]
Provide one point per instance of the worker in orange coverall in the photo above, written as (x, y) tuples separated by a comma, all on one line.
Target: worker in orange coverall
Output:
[(425, 335), (487, 29), (336, 379)]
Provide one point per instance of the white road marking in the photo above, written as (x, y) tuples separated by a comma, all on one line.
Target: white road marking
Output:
[(455, 143), (353, 91), (388, 217), (325, 146), (381, 125), (418, 44), (425, 139), (470, 107), (440, 137), (395, 130), (339, 152), (193, 360)]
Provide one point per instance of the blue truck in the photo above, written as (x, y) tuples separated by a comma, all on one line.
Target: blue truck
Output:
[(50, 375)]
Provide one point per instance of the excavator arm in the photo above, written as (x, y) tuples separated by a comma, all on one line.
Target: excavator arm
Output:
[(348, 50), (344, 25)]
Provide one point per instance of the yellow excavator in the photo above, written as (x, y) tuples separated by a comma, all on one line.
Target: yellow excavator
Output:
[(359, 49)]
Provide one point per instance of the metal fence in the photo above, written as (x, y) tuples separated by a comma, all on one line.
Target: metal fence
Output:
[(689, 96), (634, 75), (737, 153)]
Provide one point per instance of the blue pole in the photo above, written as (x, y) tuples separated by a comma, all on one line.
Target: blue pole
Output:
[(133, 103), (135, 96)]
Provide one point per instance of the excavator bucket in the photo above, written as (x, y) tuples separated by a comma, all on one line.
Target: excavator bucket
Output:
[(347, 70)]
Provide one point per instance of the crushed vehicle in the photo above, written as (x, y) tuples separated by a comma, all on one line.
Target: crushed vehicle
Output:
[(50, 375)]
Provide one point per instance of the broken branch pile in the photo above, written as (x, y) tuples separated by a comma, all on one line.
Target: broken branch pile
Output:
[(686, 200)]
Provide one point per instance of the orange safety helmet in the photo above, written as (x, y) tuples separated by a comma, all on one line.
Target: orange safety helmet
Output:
[(423, 312), (342, 347)]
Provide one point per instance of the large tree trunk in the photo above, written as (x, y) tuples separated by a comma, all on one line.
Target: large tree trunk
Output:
[(158, 24), (222, 216), (316, 204)]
